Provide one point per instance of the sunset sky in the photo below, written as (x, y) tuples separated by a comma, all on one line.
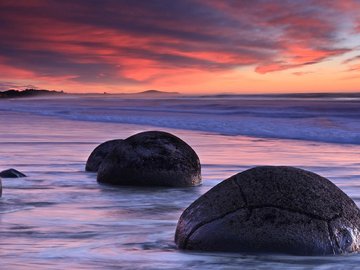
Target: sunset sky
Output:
[(198, 46)]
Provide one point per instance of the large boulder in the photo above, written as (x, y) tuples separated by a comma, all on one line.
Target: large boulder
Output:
[(152, 158), (11, 173), (272, 209), (99, 153)]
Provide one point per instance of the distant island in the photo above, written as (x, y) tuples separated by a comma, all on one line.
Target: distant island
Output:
[(28, 93), (156, 92), (12, 93)]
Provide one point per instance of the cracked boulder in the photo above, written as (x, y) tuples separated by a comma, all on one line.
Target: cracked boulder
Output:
[(272, 209), (99, 153), (151, 158)]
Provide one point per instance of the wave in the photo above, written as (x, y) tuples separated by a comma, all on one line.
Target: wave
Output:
[(325, 120)]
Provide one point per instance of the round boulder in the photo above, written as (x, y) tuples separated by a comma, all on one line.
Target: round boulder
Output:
[(272, 209), (12, 173), (99, 153), (152, 158)]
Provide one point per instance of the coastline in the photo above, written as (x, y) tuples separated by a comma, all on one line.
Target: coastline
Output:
[(332, 121), (77, 222), (230, 153)]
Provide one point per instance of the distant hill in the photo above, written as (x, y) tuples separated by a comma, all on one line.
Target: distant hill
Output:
[(156, 92), (28, 93)]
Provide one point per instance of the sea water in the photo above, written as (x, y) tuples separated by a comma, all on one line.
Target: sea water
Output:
[(59, 217)]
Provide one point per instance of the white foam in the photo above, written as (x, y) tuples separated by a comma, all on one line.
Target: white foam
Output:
[(336, 121)]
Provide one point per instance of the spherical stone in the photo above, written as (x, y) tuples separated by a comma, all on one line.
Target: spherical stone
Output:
[(99, 153), (11, 173), (272, 209), (152, 158)]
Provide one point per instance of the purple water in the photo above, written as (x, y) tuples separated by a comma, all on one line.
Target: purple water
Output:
[(60, 218)]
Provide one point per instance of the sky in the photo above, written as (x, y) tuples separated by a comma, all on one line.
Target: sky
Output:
[(197, 46)]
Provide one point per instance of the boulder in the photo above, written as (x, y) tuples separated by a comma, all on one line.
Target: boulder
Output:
[(0, 187), (272, 209), (11, 173), (99, 153), (152, 158)]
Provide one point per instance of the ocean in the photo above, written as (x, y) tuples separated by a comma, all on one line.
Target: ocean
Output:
[(59, 217)]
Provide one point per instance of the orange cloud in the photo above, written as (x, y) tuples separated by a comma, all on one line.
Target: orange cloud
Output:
[(123, 45), (8, 71), (301, 73)]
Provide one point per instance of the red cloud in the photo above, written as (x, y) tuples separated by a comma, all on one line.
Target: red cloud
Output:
[(296, 56), (125, 43)]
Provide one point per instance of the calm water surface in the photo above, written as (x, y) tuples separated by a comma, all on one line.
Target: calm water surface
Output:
[(59, 217)]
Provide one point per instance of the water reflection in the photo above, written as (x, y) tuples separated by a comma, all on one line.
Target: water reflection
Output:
[(59, 217)]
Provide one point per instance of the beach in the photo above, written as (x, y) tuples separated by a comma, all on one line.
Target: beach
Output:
[(60, 217)]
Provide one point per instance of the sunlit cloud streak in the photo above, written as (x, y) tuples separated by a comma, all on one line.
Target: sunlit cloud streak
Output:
[(141, 43)]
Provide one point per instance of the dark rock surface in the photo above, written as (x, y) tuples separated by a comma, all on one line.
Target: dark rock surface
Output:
[(99, 154), (152, 158), (0, 187), (272, 209), (11, 173)]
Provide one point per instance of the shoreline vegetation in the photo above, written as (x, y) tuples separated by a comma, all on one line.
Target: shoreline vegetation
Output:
[(29, 93)]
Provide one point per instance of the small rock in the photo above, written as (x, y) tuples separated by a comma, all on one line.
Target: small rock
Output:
[(12, 173), (272, 209), (152, 158), (99, 153)]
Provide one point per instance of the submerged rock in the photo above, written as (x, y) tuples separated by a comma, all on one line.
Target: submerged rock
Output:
[(0, 187), (99, 153), (272, 209), (152, 158), (12, 173)]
